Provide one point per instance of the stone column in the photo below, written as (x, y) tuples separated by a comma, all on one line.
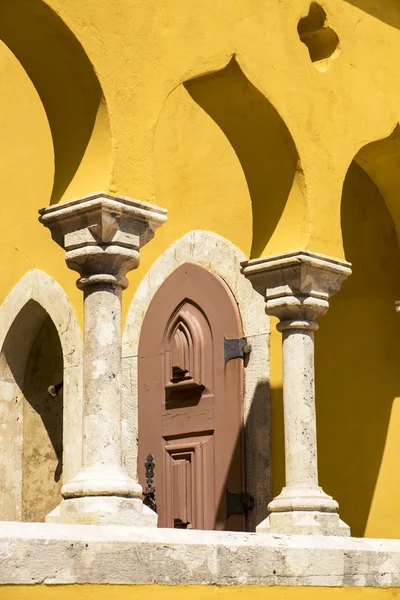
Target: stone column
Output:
[(102, 235), (297, 287)]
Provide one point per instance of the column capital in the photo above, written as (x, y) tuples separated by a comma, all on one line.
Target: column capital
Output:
[(296, 285), (102, 234)]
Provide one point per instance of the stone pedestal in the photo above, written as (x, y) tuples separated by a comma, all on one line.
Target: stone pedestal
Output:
[(296, 287), (102, 235)]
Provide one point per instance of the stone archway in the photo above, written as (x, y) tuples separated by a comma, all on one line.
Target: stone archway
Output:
[(41, 345), (220, 256)]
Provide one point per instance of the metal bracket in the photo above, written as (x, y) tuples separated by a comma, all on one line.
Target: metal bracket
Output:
[(150, 491), (237, 348), (237, 504)]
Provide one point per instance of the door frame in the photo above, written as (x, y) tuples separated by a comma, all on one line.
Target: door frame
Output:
[(219, 255)]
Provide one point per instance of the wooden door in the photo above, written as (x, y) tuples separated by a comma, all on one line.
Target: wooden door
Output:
[(190, 401)]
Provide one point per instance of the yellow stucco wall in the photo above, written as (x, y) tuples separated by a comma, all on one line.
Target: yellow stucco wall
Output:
[(146, 99), (143, 592)]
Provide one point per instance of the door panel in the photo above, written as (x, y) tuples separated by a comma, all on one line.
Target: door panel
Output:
[(190, 402)]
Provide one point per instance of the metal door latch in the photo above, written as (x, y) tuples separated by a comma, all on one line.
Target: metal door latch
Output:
[(237, 348), (150, 491), (54, 390), (238, 504)]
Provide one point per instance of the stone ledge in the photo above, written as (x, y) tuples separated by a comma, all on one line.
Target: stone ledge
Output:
[(33, 553)]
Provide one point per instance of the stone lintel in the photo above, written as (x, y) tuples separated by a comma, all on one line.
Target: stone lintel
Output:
[(296, 284), (34, 553), (102, 233)]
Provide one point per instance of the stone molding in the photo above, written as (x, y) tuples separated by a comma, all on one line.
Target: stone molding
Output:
[(211, 251), (102, 234), (43, 553), (39, 287), (296, 284)]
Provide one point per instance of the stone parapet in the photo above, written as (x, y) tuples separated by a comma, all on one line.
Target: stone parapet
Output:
[(34, 553)]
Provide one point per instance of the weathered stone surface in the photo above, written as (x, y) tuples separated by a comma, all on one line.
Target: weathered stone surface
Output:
[(102, 235), (40, 295), (32, 553), (105, 510), (297, 286)]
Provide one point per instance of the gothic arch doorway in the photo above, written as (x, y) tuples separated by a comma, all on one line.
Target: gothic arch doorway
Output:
[(31, 411), (191, 402)]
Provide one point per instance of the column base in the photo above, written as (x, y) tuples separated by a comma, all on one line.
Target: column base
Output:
[(304, 523), (102, 480), (103, 510), (303, 499), (304, 510)]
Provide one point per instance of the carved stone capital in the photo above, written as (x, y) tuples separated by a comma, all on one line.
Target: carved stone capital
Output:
[(296, 285), (102, 234)]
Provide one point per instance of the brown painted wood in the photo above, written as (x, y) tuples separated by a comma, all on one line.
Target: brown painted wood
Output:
[(190, 403)]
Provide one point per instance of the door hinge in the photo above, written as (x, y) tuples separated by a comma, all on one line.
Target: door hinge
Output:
[(237, 348), (238, 504), (150, 491)]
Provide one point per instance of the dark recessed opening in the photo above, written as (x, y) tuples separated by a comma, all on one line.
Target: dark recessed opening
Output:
[(320, 39)]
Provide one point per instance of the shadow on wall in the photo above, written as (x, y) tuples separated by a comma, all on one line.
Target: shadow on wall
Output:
[(257, 484), (381, 160), (32, 435), (69, 89), (358, 357), (260, 139), (387, 11)]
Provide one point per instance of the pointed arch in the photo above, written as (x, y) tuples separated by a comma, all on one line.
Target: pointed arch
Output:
[(221, 134), (365, 356), (211, 251), (184, 345), (71, 93), (35, 300), (380, 159)]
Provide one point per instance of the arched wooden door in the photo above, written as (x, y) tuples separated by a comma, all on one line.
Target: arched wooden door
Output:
[(190, 401)]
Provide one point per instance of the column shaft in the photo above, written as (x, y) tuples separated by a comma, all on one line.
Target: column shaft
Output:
[(299, 407), (102, 376)]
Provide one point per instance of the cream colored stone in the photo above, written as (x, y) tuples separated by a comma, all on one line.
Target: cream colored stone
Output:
[(304, 522), (40, 289), (297, 286), (220, 256), (33, 553), (104, 510), (102, 235)]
